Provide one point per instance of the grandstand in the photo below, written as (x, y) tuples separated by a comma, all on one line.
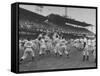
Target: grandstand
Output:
[(34, 24)]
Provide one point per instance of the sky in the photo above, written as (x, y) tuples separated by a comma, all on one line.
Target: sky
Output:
[(81, 14)]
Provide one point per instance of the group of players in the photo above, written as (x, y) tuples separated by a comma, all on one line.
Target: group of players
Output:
[(57, 44)]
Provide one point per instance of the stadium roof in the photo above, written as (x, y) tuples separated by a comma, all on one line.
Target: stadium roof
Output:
[(30, 16), (62, 20)]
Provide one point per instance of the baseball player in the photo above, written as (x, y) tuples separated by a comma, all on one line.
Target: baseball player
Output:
[(40, 36), (85, 50), (94, 49), (42, 47), (21, 44), (28, 50), (64, 46)]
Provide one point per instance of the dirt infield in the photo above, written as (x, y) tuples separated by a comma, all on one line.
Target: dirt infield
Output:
[(51, 61)]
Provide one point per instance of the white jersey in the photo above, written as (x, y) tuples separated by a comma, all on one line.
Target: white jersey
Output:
[(89, 42), (63, 40), (40, 35), (46, 37), (28, 44), (20, 42), (81, 40), (55, 36), (25, 40), (42, 43), (85, 40), (93, 42), (32, 41)]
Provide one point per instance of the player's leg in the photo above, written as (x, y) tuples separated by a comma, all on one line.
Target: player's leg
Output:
[(55, 50), (59, 50), (87, 54), (66, 52), (83, 55), (40, 52), (43, 51), (32, 54), (49, 48), (94, 55), (24, 55)]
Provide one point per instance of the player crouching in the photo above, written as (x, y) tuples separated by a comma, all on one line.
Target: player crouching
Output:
[(28, 50)]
